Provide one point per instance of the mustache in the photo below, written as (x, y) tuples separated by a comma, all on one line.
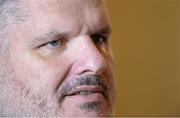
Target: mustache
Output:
[(88, 80)]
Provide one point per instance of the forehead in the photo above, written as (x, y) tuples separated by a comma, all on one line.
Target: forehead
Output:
[(66, 8), (73, 16), (66, 3)]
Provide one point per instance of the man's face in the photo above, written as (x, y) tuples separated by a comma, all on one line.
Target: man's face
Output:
[(60, 61)]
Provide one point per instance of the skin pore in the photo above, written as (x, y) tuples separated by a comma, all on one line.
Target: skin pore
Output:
[(58, 61)]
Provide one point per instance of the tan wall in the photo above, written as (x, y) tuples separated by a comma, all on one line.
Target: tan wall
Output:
[(146, 45)]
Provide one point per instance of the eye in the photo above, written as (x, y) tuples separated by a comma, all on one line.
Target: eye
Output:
[(52, 47), (99, 39), (55, 43)]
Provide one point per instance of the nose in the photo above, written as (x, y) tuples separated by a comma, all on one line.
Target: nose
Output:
[(88, 58)]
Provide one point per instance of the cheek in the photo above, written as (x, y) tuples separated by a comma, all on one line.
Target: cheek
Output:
[(37, 73)]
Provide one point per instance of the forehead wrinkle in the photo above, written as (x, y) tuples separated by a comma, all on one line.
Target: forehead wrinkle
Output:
[(73, 25), (44, 36)]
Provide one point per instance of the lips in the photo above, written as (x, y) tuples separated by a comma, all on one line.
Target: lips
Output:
[(85, 90)]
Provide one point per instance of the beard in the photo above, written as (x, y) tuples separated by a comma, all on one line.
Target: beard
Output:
[(16, 99)]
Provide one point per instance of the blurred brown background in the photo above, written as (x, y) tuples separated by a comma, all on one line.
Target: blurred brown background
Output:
[(146, 45)]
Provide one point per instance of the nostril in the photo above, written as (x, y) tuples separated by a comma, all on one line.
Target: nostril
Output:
[(89, 66)]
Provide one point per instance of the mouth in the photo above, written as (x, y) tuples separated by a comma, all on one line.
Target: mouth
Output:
[(85, 91)]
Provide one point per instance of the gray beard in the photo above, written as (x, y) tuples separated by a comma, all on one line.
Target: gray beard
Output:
[(20, 101)]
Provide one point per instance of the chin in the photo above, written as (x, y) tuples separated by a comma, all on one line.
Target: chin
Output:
[(100, 113), (78, 106), (92, 114)]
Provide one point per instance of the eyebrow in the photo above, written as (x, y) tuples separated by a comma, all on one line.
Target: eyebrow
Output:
[(54, 35), (46, 36), (106, 30)]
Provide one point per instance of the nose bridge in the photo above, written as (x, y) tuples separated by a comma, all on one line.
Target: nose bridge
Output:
[(89, 47), (89, 57)]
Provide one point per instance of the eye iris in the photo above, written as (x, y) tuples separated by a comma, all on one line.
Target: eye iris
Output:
[(98, 39), (55, 43)]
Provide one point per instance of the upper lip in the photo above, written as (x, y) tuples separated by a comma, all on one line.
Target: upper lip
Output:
[(94, 89)]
